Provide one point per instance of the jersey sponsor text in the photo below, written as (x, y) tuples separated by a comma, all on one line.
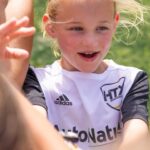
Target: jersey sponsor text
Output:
[(93, 136)]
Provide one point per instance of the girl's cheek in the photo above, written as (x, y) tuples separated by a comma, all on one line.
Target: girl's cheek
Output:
[(107, 42), (66, 43), (72, 42)]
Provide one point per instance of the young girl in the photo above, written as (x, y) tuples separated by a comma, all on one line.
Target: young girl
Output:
[(82, 92)]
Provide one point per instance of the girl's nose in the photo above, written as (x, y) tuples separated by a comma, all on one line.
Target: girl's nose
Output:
[(90, 41)]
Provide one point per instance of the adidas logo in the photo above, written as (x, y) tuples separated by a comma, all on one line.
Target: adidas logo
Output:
[(62, 100)]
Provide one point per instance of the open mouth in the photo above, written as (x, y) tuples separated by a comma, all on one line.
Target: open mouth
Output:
[(88, 55)]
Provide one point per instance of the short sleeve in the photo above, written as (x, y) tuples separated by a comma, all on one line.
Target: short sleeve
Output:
[(33, 90), (135, 102)]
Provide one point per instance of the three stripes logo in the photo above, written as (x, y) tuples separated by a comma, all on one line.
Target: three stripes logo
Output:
[(62, 100)]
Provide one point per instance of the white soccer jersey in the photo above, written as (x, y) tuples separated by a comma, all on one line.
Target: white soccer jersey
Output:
[(89, 104)]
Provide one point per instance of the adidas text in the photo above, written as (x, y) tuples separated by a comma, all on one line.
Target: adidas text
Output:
[(63, 100)]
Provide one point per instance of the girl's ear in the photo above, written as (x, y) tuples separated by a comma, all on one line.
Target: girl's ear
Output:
[(116, 20), (49, 28), (117, 17), (45, 19)]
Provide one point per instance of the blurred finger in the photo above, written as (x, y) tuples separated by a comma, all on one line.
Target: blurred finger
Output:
[(23, 32), (16, 53), (14, 25), (6, 27)]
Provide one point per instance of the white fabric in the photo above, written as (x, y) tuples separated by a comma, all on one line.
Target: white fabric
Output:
[(86, 103)]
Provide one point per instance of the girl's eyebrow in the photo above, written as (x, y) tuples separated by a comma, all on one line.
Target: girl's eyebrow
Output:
[(104, 21)]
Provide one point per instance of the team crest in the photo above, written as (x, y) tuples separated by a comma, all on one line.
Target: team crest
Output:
[(112, 93)]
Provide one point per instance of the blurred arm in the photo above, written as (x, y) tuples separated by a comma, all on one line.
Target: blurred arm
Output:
[(27, 127), (3, 4), (17, 68)]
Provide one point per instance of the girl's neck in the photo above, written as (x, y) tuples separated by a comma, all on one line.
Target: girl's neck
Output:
[(102, 67)]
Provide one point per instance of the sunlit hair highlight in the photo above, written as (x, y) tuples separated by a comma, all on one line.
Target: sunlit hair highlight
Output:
[(131, 17)]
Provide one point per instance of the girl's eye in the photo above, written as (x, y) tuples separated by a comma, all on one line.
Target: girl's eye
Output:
[(76, 29), (102, 28)]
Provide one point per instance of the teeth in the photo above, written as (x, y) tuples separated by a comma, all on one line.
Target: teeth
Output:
[(88, 53)]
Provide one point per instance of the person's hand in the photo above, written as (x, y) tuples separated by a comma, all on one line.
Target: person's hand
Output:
[(9, 31)]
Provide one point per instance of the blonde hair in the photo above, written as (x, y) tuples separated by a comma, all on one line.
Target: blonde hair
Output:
[(131, 16)]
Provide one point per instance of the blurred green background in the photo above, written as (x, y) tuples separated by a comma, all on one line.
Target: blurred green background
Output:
[(137, 54)]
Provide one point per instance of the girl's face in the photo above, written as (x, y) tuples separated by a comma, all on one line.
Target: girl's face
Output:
[(85, 34)]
